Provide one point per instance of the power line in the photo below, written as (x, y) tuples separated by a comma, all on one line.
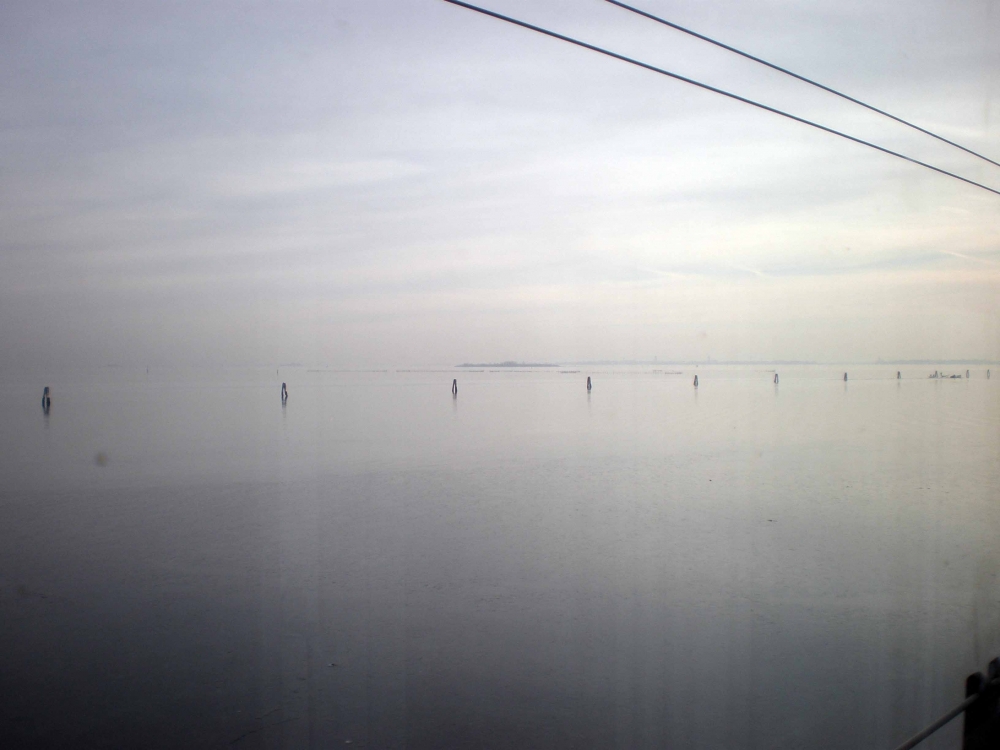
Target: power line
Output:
[(841, 94), (715, 90)]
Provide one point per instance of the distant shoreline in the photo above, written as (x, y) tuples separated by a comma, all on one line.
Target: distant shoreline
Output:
[(508, 364), (730, 363)]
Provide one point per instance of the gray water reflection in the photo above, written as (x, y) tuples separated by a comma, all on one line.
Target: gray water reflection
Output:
[(641, 566)]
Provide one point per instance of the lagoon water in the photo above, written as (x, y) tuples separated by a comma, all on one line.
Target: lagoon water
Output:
[(378, 564)]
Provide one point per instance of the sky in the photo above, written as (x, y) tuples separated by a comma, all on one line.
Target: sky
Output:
[(389, 182)]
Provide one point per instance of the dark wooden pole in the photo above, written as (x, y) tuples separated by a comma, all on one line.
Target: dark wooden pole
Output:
[(981, 729)]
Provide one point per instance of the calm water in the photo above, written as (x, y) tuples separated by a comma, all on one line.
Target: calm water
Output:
[(526, 565)]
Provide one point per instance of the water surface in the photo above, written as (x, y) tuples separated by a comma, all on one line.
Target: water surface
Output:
[(379, 564)]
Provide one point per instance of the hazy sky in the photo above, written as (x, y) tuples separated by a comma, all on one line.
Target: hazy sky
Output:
[(359, 182)]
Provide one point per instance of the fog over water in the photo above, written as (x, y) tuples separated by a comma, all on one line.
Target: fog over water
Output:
[(740, 565), (200, 201)]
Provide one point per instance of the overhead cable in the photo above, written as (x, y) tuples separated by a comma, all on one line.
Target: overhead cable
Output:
[(715, 90), (811, 82)]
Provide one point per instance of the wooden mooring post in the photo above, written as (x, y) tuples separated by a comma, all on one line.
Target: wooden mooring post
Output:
[(981, 727), (981, 730)]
